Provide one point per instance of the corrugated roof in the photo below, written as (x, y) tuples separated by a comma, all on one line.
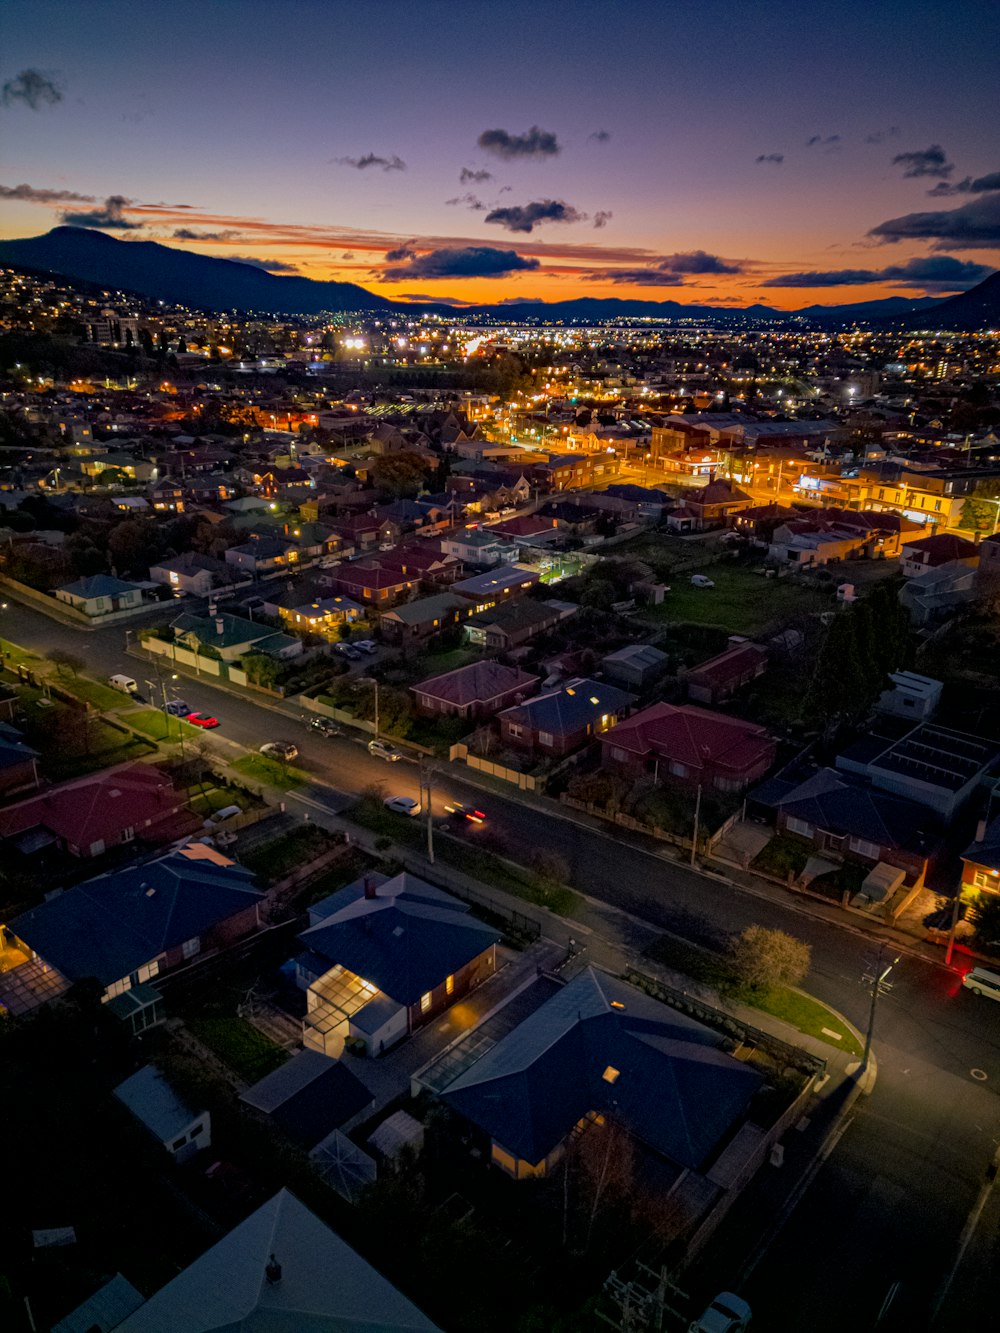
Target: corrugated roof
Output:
[(154, 1103)]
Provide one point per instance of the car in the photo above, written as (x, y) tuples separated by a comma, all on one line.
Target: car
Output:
[(348, 650), (402, 805), (727, 1314), (981, 981), (461, 811), (324, 726), (283, 750), (383, 750), (200, 720), (368, 646), (701, 581), (177, 708), (220, 816)]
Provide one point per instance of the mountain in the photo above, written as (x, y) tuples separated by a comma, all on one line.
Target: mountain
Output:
[(890, 307), (978, 308), (164, 274), (592, 309)]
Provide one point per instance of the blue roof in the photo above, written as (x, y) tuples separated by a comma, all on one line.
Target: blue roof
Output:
[(570, 707), (600, 1045), (309, 1096), (406, 941), (112, 925), (153, 1102), (104, 1311)]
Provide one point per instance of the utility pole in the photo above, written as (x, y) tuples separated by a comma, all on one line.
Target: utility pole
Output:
[(879, 986), (697, 814), (426, 774)]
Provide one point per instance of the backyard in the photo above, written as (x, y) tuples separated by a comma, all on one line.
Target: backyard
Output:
[(742, 601)]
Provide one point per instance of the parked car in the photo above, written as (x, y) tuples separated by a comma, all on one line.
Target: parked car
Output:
[(726, 1314), (383, 750), (177, 708), (283, 750), (983, 982), (324, 726), (403, 805), (368, 646), (348, 650), (701, 581), (124, 683), (461, 811), (220, 816), (200, 720)]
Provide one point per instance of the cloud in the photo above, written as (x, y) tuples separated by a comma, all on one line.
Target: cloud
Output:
[(979, 185), (32, 89), (401, 252), (469, 200), (776, 158), (268, 265), (670, 271), (602, 217), (467, 176), (931, 272), (880, 136), (348, 254), (32, 195), (931, 161), (392, 163), (533, 143), (525, 217), (599, 136), (474, 261), (697, 261), (819, 141), (640, 277), (186, 234), (973, 226), (108, 218)]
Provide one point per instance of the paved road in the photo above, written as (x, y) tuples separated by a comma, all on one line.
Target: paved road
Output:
[(890, 1205)]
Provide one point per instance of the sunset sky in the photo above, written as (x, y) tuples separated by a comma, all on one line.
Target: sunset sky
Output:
[(788, 153)]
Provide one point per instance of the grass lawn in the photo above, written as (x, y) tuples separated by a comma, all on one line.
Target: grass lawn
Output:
[(72, 744), (156, 724), (277, 858), (239, 1044), (207, 802), (14, 653), (436, 664), (780, 856), (103, 697), (743, 602), (270, 771)]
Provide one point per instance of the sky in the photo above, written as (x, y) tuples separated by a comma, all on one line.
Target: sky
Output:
[(785, 152)]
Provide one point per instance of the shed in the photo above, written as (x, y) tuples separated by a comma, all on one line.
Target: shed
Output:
[(399, 1132), (153, 1102), (309, 1096), (138, 1009)]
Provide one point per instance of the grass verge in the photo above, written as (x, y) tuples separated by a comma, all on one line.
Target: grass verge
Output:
[(158, 726), (239, 1044), (270, 771)]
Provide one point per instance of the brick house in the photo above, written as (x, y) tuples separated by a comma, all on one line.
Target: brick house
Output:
[(690, 745), (562, 720), (480, 689)]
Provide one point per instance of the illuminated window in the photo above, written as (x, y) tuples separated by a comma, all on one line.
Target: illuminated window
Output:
[(425, 1002), (449, 986), (610, 1074), (617, 1004)]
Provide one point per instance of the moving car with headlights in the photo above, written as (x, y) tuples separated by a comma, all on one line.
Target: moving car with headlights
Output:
[(402, 805), (283, 750), (383, 750), (462, 811)]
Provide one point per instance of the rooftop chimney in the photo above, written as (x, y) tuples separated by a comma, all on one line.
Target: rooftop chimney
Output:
[(220, 626), (272, 1271), (370, 888), (981, 830)]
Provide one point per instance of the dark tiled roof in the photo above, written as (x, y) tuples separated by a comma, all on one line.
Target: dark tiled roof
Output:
[(309, 1096), (569, 708), (838, 804)]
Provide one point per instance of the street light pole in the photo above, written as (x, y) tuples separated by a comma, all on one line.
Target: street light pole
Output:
[(879, 987), (697, 813), (426, 773)]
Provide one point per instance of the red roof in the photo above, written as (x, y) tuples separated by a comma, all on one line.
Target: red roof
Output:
[(98, 808), (941, 548), (525, 525), (479, 682), (695, 737), (718, 493), (728, 666)]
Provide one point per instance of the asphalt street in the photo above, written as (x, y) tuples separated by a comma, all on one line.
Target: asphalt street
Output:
[(883, 1220)]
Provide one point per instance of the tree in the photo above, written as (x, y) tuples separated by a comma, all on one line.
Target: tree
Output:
[(838, 689), (64, 661), (983, 914), (134, 544), (399, 474), (261, 669), (979, 512), (764, 958)]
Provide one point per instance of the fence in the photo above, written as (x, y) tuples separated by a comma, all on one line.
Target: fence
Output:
[(626, 821), (522, 923), (524, 781)]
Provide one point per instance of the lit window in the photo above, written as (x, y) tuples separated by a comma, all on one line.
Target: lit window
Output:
[(610, 1074), (449, 985), (617, 1004), (425, 1002)]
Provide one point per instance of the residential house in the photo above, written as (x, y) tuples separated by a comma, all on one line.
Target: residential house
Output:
[(560, 721), (149, 1097), (480, 689), (87, 817), (166, 497), (371, 585), (100, 595), (760, 521), (636, 665), (18, 763), (263, 555), (911, 696), (424, 559), (692, 746), (280, 1268), (597, 1052), (927, 763), (315, 610), (135, 469), (512, 624), (481, 547), (130, 925), (364, 531), (713, 504), (939, 593), (981, 861), (504, 583), (383, 957), (232, 636), (719, 678), (941, 548), (308, 1097), (423, 617), (543, 529), (194, 574)]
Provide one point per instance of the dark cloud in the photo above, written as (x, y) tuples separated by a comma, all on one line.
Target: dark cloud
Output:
[(533, 143), (602, 217), (401, 252), (931, 272), (776, 158), (469, 177), (931, 161), (348, 254), (32, 195), (696, 261), (640, 277), (469, 200), (32, 89), (970, 185), (599, 136), (525, 217), (392, 163), (824, 141), (974, 226), (880, 136), (268, 265), (474, 261), (108, 218), (186, 234)]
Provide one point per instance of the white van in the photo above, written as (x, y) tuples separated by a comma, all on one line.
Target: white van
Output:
[(124, 683), (983, 982)]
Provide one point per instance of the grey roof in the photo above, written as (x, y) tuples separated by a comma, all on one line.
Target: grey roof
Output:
[(309, 1096), (425, 608), (642, 655), (325, 1286), (105, 1310), (496, 580), (837, 803), (153, 1102), (98, 585), (344, 1166), (569, 708), (406, 941), (111, 925), (673, 1086)]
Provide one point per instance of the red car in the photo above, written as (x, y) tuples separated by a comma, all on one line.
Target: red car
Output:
[(200, 720)]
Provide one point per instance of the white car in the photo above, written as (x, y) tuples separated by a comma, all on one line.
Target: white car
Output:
[(368, 646), (726, 1314), (403, 805), (983, 982), (701, 581), (383, 750)]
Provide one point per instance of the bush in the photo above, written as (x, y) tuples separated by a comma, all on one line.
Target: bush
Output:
[(764, 958)]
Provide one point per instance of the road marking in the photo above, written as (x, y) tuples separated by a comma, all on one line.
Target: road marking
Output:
[(979, 1074), (828, 1032)]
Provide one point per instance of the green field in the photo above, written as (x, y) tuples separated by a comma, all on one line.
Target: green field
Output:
[(741, 601)]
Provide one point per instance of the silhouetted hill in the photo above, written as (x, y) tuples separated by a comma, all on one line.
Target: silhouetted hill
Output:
[(890, 307), (164, 274), (978, 308)]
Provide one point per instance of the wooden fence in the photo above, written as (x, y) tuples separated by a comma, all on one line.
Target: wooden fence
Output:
[(524, 781)]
